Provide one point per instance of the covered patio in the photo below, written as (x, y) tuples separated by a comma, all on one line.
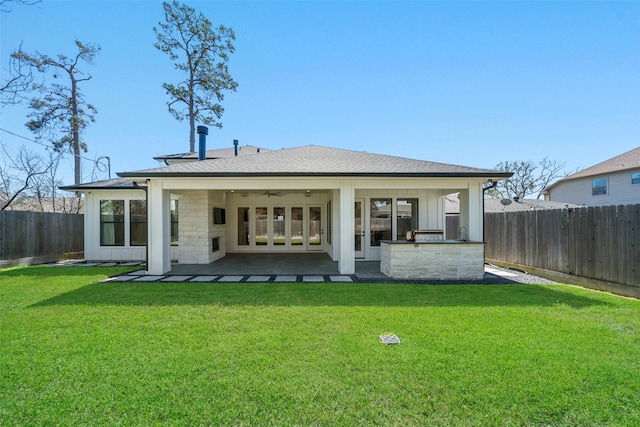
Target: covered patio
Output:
[(278, 264)]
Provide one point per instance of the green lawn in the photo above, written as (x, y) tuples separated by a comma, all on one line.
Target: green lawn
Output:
[(77, 352)]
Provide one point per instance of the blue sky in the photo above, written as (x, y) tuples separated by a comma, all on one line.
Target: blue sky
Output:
[(469, 83)]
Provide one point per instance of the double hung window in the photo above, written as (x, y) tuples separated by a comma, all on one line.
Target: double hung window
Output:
[(111, 222), (599, 187)]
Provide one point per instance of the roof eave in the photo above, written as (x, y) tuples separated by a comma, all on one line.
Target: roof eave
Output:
[(315, 174)]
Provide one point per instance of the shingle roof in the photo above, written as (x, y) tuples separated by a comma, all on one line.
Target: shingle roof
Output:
[(495, 205), (116, 183), (628, 160), (314, 160), (214, 154)]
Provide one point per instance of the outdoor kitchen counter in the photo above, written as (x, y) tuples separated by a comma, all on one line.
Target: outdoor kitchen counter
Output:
[(432, 260)]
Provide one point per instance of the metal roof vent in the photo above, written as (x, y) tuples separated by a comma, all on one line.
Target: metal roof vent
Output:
[(202, 131)]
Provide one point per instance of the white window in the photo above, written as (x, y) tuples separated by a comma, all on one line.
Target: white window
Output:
[(599, 187)]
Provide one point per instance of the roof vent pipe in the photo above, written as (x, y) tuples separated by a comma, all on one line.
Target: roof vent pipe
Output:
[(235, 147), (203, 131)]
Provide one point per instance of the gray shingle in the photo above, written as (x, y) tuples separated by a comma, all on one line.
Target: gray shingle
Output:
[(313, 160), (625, 161)]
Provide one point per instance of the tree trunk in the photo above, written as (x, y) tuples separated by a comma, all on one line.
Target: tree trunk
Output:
[(75, 128), (192, 132)]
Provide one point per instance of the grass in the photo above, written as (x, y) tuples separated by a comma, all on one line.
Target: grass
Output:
[(77, 352)]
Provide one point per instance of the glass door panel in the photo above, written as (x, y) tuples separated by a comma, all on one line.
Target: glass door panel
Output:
[(315, 227), (262, 227), (381, 215), (406, 217), (243, 226), (279, 228), (297, 227), (358, 230)]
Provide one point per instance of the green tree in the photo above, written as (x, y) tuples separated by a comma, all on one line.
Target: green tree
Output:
[(202, 53), (529, 178), (59, 110)]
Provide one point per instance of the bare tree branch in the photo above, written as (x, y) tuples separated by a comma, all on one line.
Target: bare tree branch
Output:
[(529, 178), (18, 173), (4, 4)]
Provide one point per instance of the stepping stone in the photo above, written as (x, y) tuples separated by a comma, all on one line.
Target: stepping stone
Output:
[(258, 278), (107, 264), (129, 264), (175, 278), (230, 278), (312, 278), (147, 278), (286, 278), (203, 279), (90, 264), (340, 279), (138, 273), (119, 279)]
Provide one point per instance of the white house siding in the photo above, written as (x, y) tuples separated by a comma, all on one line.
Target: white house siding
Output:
[(620, 190), (341, 192), (92, 249)]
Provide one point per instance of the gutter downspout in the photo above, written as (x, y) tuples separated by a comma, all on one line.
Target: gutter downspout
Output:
[(492, 184), (146, 203)]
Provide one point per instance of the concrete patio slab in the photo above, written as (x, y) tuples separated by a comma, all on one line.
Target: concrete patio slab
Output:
[(204, 279), (148, 278), (175, 278), (119, 279), (230, 279), (340, 279), (138, 273), (258, 278), (286, 279)]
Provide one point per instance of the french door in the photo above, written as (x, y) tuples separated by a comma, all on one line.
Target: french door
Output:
[(359, 228), (281, 228)]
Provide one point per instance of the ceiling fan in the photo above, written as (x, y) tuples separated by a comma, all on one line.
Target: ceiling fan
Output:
[(272, 193)]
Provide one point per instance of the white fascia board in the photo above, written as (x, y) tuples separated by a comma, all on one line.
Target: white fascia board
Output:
[(237, 183), (314, 183)]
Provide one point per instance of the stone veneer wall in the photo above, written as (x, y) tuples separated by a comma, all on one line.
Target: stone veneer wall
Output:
[(433, 261), (196, 228)]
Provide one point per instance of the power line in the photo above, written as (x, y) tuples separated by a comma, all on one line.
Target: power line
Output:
[(46, 146)]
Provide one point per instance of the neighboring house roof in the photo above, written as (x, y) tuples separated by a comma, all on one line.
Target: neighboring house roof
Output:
[(495, 205), (212, 154), (314, 160), (628, 160), (47, 204)]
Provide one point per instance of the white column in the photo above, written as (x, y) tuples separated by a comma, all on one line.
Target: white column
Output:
[(347, 259), (464, 213), (158, 229), (476, 220), (91, 226)]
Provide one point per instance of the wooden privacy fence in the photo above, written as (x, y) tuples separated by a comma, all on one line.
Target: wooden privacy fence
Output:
[(601, 243), (37, 237)]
